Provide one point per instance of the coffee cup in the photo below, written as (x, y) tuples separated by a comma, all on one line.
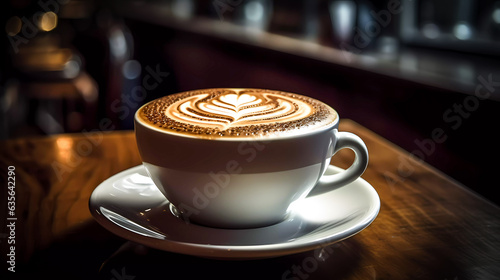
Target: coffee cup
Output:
[(241, 158)]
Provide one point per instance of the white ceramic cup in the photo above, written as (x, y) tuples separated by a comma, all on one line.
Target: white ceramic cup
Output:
[(244, 182)]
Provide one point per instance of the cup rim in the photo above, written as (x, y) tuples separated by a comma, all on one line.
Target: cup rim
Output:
[(331, 125)]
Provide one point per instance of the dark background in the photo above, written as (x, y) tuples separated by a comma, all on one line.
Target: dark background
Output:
[(408, 70)]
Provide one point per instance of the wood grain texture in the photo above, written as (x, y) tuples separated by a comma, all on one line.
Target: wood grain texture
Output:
[(429, 226), (55, 177)]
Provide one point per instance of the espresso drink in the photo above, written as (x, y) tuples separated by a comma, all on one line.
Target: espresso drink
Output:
[(237, 113), (278, 147)]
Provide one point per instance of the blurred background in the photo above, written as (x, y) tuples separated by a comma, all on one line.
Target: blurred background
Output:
[(423, 74)]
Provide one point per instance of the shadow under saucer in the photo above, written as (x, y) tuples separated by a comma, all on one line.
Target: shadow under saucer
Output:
[(135, 261)]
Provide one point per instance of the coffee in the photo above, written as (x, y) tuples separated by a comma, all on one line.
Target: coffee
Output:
[(236, 113), (279, 146)]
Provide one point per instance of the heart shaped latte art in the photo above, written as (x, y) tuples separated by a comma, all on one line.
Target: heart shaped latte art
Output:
[(224, 111), (236, 112)]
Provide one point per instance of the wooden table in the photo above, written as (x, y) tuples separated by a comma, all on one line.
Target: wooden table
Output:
[(429, 226)]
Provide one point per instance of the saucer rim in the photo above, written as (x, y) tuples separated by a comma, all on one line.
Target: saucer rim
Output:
[(231, 252)]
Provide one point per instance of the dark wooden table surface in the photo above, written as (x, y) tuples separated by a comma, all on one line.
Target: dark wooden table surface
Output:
[(429, 226)]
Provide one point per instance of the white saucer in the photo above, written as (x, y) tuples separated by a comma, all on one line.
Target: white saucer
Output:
[(129, 205)]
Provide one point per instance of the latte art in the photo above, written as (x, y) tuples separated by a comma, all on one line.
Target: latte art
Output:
[(231, 110), (237, 113)]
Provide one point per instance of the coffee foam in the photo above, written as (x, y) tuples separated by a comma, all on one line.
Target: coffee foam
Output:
[(230, 113)]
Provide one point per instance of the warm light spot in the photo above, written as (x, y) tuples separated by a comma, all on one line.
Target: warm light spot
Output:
[(64, 149), (13, 26), (64, 143), (48, 21)]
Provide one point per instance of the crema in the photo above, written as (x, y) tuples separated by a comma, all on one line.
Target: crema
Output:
[(229, 113)]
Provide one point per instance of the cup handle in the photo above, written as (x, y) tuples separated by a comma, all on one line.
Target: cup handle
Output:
[(330, 182)]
